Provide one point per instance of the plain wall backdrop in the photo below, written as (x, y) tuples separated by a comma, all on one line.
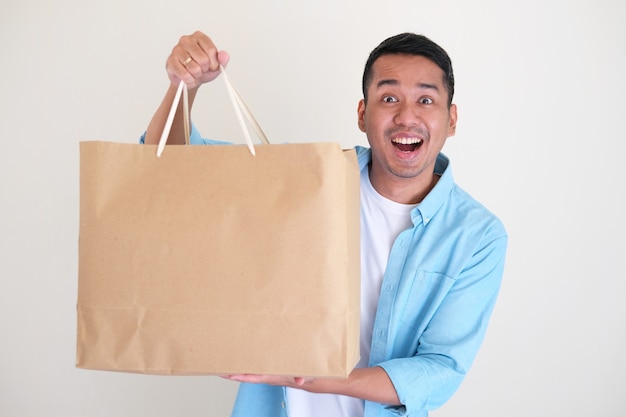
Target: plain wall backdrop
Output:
[(540, 90)]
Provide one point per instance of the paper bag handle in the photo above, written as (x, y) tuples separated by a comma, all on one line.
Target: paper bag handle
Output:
[(238, 104), (182, 88)]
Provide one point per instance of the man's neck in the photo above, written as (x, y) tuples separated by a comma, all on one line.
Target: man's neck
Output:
[(403, 190)]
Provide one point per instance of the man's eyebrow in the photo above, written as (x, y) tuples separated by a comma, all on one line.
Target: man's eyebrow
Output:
[(421, 86), (427, 86), (386, 82)]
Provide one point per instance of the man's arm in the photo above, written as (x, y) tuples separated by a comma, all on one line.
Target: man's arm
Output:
[(371, 384), (155, 128), (195, 60)]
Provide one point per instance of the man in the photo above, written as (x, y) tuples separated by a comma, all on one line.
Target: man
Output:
[(432, 257)]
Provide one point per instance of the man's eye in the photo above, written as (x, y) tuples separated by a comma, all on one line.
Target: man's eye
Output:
[(390, 99), (426, 100)]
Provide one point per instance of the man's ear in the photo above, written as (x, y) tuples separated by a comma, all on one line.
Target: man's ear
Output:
[(361, 115), (453, 119)]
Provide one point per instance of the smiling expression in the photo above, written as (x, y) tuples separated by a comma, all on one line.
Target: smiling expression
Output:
[(407, 121)]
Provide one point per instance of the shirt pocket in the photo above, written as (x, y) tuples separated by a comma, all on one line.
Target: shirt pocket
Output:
[(419, 298)]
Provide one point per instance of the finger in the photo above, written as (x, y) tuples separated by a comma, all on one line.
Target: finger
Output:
[(243, 378), (204, 47), (176, 65), (177, 71)]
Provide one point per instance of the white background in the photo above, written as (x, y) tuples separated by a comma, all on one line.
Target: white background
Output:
[(540, 90)]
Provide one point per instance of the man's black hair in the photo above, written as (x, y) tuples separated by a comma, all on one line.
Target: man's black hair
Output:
[(411, 44)]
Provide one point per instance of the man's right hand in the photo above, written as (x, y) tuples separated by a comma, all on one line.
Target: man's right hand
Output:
[(195, 60)]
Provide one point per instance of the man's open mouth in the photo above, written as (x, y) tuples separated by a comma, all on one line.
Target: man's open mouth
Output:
[(407, 144)]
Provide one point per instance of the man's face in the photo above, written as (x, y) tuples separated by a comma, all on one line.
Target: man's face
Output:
[(406, 119)]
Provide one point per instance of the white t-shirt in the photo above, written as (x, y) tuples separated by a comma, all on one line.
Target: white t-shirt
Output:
[(382, 220)]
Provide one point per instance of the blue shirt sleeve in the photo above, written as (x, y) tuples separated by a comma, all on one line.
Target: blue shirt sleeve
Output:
[(194, 138)]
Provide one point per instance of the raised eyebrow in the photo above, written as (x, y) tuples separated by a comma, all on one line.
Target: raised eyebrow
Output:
[(421, 86), (386, 82), (426, 86)]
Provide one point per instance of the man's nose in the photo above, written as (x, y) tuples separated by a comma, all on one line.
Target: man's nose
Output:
[(407, 114)]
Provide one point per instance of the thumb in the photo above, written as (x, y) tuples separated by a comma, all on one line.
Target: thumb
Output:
[(299, 380), (223, 57)]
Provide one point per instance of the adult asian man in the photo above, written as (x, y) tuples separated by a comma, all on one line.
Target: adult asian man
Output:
[(432, 256)]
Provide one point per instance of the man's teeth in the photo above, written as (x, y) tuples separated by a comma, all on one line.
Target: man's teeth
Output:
[(407, 141)]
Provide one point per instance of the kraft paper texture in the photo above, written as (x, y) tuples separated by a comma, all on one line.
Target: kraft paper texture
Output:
[(208, 260)]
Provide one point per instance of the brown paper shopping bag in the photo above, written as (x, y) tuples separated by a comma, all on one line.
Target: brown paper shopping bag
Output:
[(209, 260)]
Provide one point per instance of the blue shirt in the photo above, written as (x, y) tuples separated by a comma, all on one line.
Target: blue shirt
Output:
[(437, 294)]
